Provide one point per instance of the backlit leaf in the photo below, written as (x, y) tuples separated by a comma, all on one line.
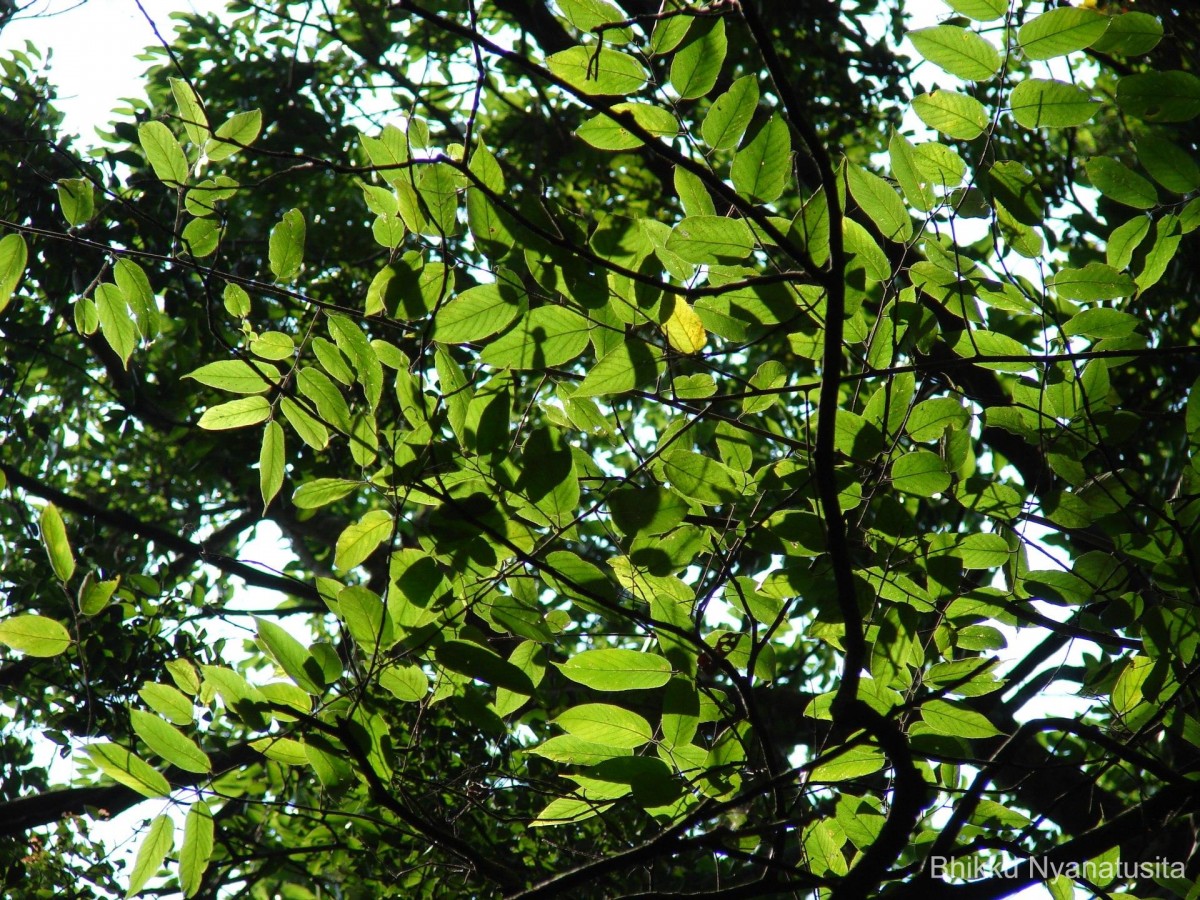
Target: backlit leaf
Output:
[(617, 670), (123, 766), (34, 635), (54, 539), (958, 51), (1061, 31)]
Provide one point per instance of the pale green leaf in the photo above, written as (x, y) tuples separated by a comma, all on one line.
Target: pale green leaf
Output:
[(75, 197), (1043, 102), (604, 132), (953, 114), (238, 131), (603, 723), (123, 766), (54, 539), (881, 203), (1061, 31), (169, 743), (760, 169), (235, 414), (154, 848), (163, 153), (360, 539), (196, 850), (617, 670), (959, 51), (951, 719), (14, 254), (34, 635), (237, 376)]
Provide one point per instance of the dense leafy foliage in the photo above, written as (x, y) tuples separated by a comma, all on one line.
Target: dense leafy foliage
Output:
[(698, 435)]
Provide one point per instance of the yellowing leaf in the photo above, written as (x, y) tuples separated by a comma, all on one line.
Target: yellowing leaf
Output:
[(684, 330)]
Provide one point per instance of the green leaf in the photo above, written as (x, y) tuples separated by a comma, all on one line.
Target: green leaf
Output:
[(54, 539), (1168, 164), (921, 473), (730, 114), (979, 10), (94, 596), (169, 743), (629, 365), (1166, 243), (286, 250), (408, 684), (906, 169), (698, 61), (13, 256), (292, 656), (360, 539), (476, 313), (589, 16), (951, 719), (282, 750), (482, 664), (135, 287), (617, 670), (1160, 96), (237, 376), (1095, 281), (981, 344), (238, 131), (34, 635), (649, 510), (604, 132), (546, 336), (163, 153), (271, 462), (438, 185), (600, 72), (959, 51), (116, 324), (321, 492), (1044, 102), (168, 702), (366, 618), (352, 342), (1127, 692), (196, 850), (76, 199), (201, 237), (1061, 31), (153, 850), (983, 551), (857, 762), (191, 112), (235, 414), (881, 204), (1130, 34), (929, 419), (703, 479), (709, 239), (1118, 182), (760, 169), (568, 811), (603, 723), (567, 748), (1125, 239), (953, 114), (312, 432), (1101, 323), (122, 766), (236, 300)]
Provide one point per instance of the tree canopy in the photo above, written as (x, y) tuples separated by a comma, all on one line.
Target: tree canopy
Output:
[(700, 436)]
